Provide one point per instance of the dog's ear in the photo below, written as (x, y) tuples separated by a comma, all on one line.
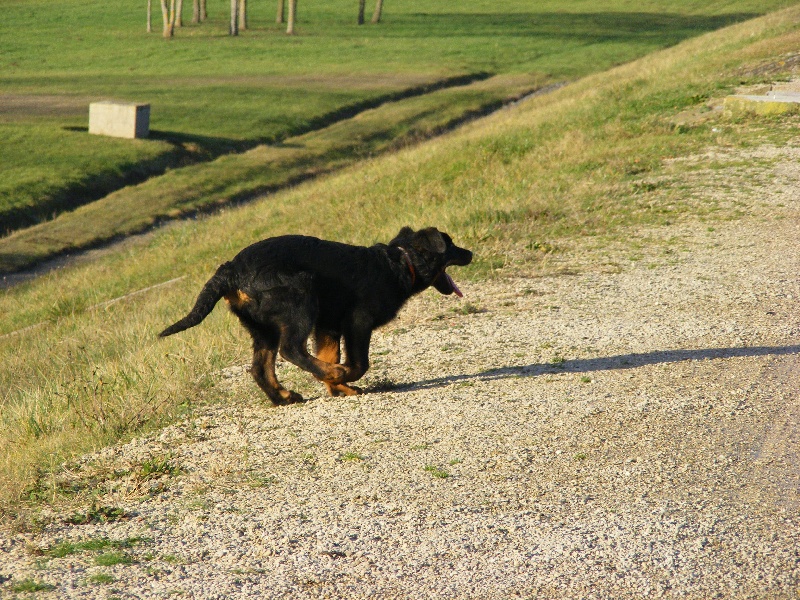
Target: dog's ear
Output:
[(430, 239), (405, 233)]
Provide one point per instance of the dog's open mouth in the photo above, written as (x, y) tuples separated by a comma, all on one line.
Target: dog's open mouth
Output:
[(444, 284)]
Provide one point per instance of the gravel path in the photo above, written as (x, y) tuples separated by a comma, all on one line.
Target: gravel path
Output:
[(627, 429)]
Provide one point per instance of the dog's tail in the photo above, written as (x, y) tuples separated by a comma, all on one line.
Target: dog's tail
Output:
[(223, 281)]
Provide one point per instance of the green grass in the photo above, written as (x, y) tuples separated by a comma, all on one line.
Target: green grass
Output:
[(437, 472), (101, 578), (243, 176), (351, 456), (158, 467), (63, 549), (30, 586), (568, 164), (109, 559), (98, 514), (211, 93)]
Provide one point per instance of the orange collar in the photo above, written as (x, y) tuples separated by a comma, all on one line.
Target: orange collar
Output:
[(410, 265)]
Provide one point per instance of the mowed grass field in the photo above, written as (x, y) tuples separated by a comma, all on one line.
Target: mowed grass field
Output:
[(212, 93), (588, 160)]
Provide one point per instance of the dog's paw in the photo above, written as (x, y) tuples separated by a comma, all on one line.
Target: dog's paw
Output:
[(294, 397), (341, 389), (285, 397), (336, 375)]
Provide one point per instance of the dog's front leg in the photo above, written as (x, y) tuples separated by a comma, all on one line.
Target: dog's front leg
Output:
[(357, 338), (326, 345)]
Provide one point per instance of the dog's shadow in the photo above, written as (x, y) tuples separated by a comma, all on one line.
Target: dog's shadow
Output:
[(607, 363)]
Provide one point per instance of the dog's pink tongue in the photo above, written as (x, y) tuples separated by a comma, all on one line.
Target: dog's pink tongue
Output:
[(453, 283)]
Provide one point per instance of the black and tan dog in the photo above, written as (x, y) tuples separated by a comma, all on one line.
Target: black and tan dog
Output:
[(284, 288)]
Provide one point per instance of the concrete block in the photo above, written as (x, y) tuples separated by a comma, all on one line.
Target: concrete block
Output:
[(119, 119), (772, 103)]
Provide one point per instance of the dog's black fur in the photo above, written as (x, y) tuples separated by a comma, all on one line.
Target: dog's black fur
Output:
[(284, 288)]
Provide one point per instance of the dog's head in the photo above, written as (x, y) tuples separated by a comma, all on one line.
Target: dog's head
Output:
[(432, 251)]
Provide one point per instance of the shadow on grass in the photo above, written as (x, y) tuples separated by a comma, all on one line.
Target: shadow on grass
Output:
[(208, 145), (606, 363), (92, 187), (188, 149), (586, 27)]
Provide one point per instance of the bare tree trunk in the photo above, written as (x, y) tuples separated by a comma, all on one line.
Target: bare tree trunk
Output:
[(361, 4), (172, 16), (169, 20), (376, 16), (179, 18), (164, 17), (242, 15), (292, 17), (279, 17), (149, 16), (195, 11), (203, 11), (234, 17)]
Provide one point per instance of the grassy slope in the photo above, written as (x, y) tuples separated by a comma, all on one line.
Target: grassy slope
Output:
[(211, 93), (570, 163), (266, 167)]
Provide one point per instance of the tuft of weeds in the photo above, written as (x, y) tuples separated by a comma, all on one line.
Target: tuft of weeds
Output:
[(67, 548), (350, 456), (543, 247), (30, 586), (468, 308), (109, 559), (159, 467), (437, 472), (261, 481), (96, 514), (100, 579), (199, 504), (451, 348)]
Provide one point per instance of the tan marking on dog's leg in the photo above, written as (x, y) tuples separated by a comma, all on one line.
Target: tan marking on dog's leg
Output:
[(296, 352), (328, 350), (327, 347)]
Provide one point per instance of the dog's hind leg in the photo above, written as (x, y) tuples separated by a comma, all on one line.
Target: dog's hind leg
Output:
[(265, 348), (326, 345)]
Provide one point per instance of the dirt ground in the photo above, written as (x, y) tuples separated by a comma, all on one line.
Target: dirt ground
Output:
[(624, 423)]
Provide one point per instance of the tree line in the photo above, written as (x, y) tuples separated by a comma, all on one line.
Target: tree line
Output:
[(172, 14)]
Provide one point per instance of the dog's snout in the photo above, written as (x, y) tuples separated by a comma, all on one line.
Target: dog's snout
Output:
[(461, 256)]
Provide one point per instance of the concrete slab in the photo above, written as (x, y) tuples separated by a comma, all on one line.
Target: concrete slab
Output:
[(775, 102), (119, 119)]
